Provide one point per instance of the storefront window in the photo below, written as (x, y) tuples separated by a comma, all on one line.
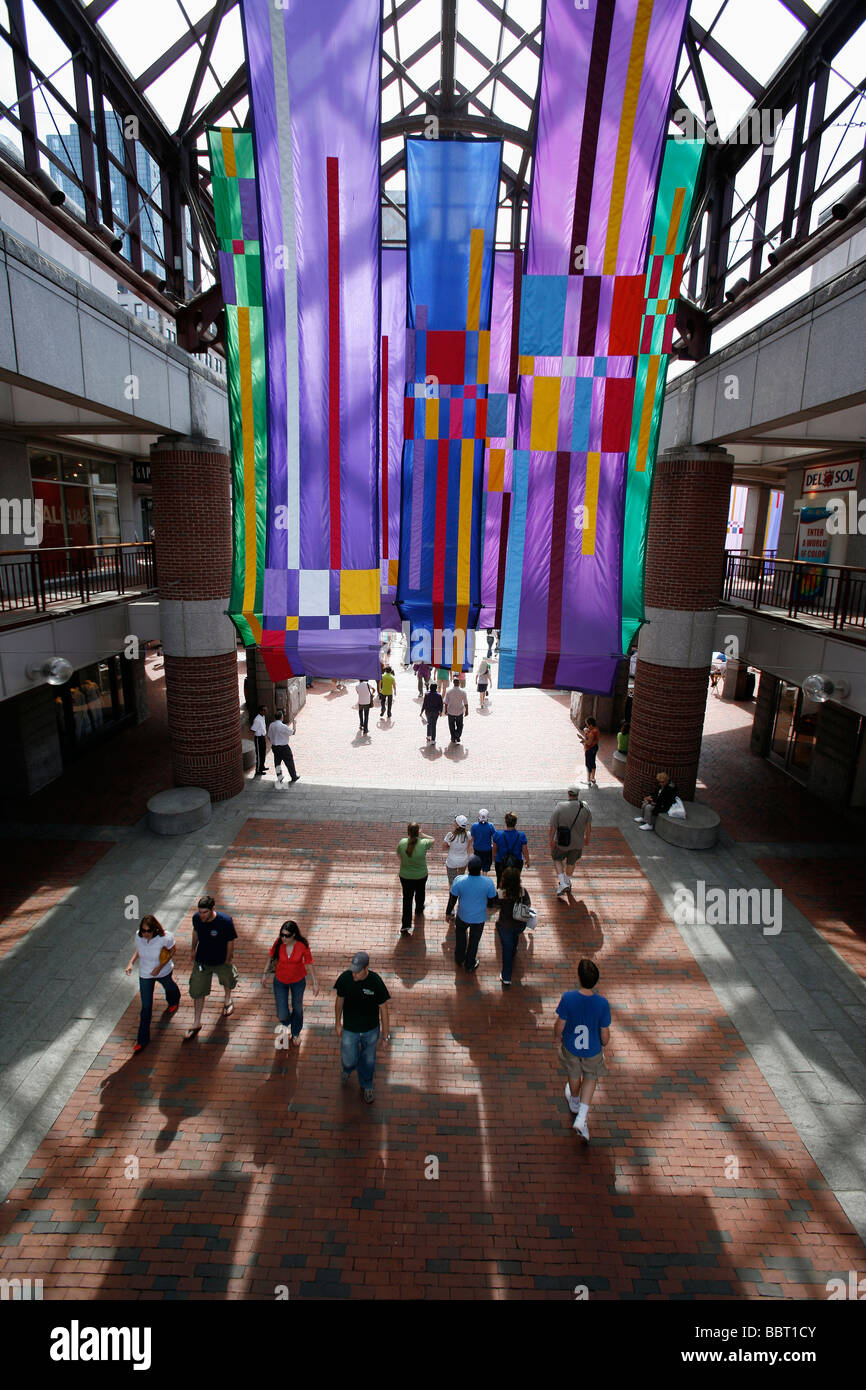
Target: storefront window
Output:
[(79, 498), (95, 702)]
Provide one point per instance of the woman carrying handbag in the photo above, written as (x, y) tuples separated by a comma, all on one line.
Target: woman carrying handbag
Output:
[(514, 913)]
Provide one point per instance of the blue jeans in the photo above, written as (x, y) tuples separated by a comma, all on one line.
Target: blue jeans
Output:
[(359, 1050), (508, 939), (295, 1013), (145, 986)]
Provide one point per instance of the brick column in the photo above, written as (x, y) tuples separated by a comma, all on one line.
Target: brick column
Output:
[(684, 570), (193, 544)]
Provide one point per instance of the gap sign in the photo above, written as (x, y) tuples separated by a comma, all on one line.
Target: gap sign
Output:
[(830, 476)]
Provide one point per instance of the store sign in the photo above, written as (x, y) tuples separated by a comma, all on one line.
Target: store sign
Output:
[(830, 477), (141, 471)]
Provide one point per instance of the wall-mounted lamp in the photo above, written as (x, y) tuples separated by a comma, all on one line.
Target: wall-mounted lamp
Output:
[(849, 200), (736, 289), (111, 239), (56, 671), (821, 688), (45, 183), (783, 250)]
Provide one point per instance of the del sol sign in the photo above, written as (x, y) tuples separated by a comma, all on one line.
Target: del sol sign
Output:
[(830, 477)]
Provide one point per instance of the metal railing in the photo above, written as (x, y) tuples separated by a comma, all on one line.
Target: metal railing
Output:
[(34, 580), (800, 588)]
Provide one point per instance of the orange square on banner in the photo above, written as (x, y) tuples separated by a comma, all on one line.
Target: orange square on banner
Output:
[(496, 471), (393, 566), (544, 427)]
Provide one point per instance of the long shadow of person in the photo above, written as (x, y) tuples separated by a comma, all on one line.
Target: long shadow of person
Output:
[(409, 956)]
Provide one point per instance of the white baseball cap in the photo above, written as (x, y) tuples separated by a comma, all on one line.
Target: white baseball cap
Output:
[(461, 821)]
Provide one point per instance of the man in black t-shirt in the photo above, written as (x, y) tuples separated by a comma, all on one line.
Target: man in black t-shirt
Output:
[(361, 999), (431, 708), (213, 946)]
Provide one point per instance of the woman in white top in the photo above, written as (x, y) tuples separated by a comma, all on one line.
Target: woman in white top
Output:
[(459, 847), (151, 941), (364, 692), (483, 680)]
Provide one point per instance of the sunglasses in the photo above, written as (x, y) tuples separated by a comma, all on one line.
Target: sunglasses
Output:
[(147, 931)]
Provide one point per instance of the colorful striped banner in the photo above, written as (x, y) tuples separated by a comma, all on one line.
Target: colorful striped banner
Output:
[(682, 162), (606, 78), (317, 153), (452, 190), (393, 386), (237, 228)]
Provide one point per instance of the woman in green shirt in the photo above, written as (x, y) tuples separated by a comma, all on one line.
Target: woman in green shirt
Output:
[(412, 853)]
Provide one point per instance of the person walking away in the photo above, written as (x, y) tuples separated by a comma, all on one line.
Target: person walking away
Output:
[(658, 802), (213, 948), (589, 738), (483, 681), (361, 1019), (512, 850), (490, 640), (482, 831), (581, 1032), (278, 733), (287, 964), (259, 731), (442, 679), (570, 830), (456, 707), (387, 688), (457, 843), (473, 893), (513, 917), (154, 951), (431, 710), (365, 699), (412, 854), (422, 670)]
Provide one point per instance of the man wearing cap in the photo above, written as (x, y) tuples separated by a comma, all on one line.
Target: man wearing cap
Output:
[(474, 893), (570, 830), (459, 846), (456, 707), (482, 832), (362, 1000)]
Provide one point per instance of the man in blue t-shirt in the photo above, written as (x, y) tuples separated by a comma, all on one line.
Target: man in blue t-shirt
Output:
[(482, 833), (581, 1030), (473, 893), (512, 851)]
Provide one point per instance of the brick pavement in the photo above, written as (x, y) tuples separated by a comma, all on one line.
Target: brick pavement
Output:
[(256, 1170), (37, 875), (830, 893)]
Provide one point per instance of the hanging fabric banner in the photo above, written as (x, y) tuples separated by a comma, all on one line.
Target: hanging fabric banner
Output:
[(451, 191), (237, 227), (314, 93), (682, 162), (392, 369), (501, 411), (606, 79)]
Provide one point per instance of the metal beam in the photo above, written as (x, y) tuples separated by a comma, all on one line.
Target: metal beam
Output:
[(495, 70), (448, 40), (234, 89), (503, 77), (204, 58), (725, 60), (178, 48), (508, 23)]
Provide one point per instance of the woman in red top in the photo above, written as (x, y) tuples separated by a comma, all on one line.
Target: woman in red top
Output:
[(287, 961)]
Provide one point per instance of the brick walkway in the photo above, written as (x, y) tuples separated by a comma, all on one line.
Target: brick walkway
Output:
[(256, 1170), (830, 893), (37, 875)]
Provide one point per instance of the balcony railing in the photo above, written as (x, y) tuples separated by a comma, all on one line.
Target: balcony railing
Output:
[(36, 580), (799, 588)]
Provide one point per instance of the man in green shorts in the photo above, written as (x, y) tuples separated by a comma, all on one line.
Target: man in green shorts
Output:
[(213, 946)]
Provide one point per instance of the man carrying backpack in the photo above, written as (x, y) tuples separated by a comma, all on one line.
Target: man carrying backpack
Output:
[(570, 830), (512, 851)]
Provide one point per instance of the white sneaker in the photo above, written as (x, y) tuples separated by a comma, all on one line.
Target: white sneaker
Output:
[(645, 827), (568, 883), (279, 777), (573, 1105), (580, 1128), (638, 819)]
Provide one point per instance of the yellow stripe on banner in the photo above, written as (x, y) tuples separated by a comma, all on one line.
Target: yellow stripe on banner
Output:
[(255, 627), (431, 418), (674, 224), (245, 373), (484, 357), (496, 471), (464, 530), (544, 426), (626, 134), (590, 503), (229, 152), (646, 416), (476, 258)]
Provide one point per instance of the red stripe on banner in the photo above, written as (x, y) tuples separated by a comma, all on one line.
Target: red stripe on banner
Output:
[(481, 419), (384, 447), (408, 417), (557, 570), (333, 176), (655, 276), (676, 276), (503, 555), (440, 530), (517, 281), (618, 407)]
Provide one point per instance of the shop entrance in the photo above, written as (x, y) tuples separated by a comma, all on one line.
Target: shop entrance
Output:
[(794, 727)]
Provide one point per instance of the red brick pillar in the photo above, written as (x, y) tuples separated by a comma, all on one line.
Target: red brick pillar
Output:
[(193, 545), (684, 570)]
